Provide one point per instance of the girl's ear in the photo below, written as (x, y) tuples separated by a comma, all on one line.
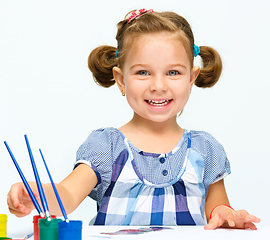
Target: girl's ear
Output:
[(119, 79), (194, 74)]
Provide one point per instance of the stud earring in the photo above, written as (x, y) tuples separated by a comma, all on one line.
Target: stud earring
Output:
[(123, 93)]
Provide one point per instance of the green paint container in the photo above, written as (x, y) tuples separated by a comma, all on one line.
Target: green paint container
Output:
[(48, 230), (35, 225)]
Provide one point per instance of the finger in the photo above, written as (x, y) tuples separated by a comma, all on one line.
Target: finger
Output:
[(230, 219), (252, 218), (245, 217), (250, 225), (245, 220), (18, 201), (12, 201), (19, 212), (20, 208), (214, 223), (16, 191), (210, 226)]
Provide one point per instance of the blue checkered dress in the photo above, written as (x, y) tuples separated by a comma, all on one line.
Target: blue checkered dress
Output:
[(139, 188)]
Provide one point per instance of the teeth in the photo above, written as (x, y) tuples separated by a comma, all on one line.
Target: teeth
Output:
[(158, 103)]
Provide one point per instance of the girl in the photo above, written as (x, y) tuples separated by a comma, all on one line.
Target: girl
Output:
[(150, 171)]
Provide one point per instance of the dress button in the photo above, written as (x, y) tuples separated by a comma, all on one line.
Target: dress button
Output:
[(162, 160), (164, 172)]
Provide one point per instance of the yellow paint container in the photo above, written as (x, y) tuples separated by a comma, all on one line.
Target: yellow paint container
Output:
[(3, 225)]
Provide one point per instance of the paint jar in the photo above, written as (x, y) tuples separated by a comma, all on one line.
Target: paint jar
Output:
[(35, 227), (3, 225), (48, 230), (70, 231)]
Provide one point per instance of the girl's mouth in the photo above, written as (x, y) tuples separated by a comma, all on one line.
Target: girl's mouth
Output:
[(158, 103)]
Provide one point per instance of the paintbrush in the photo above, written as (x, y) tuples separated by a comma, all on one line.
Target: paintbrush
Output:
[(55, 190), (29, 190), (39, 185)]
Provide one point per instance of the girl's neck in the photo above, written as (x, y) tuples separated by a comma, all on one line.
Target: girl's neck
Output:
[(154, 137), (154, 127)]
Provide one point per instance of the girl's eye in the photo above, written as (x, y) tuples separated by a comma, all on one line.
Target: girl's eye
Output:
[(173, 73), (143, 73)]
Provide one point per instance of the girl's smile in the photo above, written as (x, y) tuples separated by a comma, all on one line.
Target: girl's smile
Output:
[(156, 76), (158, 103)]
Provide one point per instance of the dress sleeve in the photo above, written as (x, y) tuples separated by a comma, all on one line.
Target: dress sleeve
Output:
[(216, 163), (98, 152)]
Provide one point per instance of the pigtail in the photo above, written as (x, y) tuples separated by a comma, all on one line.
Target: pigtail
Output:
[(211, 68), (101, 62)]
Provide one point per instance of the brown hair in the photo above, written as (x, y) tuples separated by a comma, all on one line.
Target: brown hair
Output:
[(102, 59)]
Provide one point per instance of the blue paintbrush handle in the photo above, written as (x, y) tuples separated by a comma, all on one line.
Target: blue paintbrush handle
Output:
[(39, 185), (29, 190), (55, 190)]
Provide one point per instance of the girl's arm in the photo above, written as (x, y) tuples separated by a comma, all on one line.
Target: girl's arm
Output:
[(72, 190), (222, 215)]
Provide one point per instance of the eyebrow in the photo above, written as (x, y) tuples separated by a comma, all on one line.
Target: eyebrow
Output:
[(138, 65), (178, 65), (170, 65)]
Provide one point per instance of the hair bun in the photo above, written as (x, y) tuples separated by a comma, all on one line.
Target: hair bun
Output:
[(101, 62), (211, 69)]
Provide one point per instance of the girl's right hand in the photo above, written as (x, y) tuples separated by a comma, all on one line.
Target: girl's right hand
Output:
[(18, 200)]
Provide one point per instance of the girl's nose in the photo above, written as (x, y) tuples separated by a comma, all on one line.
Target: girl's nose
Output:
[(158, 83)]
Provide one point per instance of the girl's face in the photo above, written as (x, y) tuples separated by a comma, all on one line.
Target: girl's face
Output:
[(156, 77)]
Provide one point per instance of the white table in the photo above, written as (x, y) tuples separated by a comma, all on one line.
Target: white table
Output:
[(179, 232)]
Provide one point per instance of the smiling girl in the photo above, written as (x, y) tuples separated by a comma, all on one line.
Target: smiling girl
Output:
[(150, 171)]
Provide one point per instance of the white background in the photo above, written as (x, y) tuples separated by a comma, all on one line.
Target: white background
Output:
[(47, 91)]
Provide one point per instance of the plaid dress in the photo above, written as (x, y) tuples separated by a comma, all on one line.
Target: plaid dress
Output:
[(139, 188)]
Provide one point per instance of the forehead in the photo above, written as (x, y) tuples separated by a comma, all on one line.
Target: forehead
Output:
[(157, 46), (145, 38)]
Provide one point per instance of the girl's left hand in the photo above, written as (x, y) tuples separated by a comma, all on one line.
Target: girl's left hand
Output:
[(224, 216)]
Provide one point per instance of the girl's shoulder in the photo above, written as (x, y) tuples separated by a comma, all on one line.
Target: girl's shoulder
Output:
[(202, 136), (216, 163), (205, 142), (108, 134), (102, 140)]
